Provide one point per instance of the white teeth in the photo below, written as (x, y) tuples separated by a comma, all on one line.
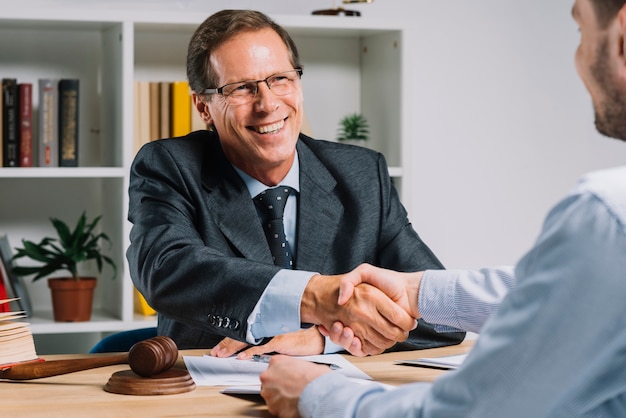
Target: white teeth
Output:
[(270, 128)]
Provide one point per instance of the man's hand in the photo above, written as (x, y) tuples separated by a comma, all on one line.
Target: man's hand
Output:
[(375, 319), (283, 382), (402, 288), (301, 343)]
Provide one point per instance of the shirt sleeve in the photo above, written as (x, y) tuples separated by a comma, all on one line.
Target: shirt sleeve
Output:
[(278, 309), (463, 300), (554, 347)]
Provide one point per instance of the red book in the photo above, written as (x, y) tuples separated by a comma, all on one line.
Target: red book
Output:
[(26, 124), (4, 307)]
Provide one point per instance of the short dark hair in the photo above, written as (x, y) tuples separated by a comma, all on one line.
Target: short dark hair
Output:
[(606, 10), (219, 28)]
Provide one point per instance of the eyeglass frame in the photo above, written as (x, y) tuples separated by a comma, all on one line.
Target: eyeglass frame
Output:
[(220, 90)]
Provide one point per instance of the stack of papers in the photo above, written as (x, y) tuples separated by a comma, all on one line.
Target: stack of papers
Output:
[(447, 362), (242, 376)]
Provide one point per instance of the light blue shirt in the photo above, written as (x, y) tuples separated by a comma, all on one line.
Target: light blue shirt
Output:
[(278, 309), (554, 347)]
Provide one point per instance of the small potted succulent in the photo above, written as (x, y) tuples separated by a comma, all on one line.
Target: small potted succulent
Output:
[(72, 297), (353, 128)]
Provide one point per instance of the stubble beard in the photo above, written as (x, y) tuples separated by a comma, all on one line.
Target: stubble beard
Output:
[(610, 113)]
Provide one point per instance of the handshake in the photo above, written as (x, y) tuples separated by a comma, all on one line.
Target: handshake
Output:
[(366, 310)]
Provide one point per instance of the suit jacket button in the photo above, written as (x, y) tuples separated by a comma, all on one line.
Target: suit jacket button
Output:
[(226, 322), (234, 325)]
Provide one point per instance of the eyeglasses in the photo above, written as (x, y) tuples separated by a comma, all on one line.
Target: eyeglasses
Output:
[(243, 92)]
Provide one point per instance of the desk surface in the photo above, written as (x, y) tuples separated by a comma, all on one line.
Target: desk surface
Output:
[(81, 393)]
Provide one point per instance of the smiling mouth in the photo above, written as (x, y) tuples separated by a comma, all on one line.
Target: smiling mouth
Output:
[(269, 129)]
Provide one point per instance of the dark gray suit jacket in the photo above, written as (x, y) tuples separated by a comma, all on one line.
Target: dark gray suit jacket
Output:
[(198, 253)]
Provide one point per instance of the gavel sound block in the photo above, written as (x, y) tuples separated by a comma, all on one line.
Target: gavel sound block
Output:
[(151, 371)]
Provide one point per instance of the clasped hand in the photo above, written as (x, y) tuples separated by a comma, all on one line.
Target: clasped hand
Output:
[(377, 313), (401, 288)]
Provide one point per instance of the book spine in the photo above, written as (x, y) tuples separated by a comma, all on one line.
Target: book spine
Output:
[(4, 294), (68, 122), (165, 117), (181, 109), (155, 108), (26, 124), (48, 138), (10, 131), (1, 130)]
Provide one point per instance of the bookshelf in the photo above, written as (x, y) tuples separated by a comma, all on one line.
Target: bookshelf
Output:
[(350, 65)]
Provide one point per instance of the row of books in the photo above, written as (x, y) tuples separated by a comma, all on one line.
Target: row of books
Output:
[(163, 109), (56, 144)]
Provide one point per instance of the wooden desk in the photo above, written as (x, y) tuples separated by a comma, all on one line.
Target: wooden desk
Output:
[(81, 394)]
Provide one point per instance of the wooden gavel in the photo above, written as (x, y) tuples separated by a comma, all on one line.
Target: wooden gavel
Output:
[(146, 358)]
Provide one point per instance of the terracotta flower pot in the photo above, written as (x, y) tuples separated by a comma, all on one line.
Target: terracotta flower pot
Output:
[(72, 300)]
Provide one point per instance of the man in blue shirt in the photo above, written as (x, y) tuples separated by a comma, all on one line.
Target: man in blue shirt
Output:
[(552, 330)]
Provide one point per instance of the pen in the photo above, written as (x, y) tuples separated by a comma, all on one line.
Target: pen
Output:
[(265, 358)]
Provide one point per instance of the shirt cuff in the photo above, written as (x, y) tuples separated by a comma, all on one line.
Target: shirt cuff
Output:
[(278, 309), (436, 299)]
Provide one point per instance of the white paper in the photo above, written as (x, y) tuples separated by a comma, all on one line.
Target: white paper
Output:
[(214, 371), (446, 362), (256, 389)]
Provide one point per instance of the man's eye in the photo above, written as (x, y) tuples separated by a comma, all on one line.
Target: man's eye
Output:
[(244, 88)]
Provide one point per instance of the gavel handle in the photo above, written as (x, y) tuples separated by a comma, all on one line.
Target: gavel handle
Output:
[(37, 370)]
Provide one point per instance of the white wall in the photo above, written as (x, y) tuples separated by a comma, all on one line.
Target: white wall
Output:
[(502, 125)]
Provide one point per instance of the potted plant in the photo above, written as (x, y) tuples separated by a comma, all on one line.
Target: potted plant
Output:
[(353, 128), (72, 297)]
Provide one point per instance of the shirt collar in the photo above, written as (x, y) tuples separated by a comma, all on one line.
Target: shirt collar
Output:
[(292, 179)]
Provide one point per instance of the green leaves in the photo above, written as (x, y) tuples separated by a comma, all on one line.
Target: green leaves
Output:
[(66, 251), (353, 126)]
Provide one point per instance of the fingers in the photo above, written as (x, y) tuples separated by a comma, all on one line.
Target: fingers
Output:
[(375, 319), (283, 382), (344, 336), (227, 347), (301, 343)]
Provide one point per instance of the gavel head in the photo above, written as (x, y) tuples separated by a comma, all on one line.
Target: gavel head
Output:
[(153, 356)]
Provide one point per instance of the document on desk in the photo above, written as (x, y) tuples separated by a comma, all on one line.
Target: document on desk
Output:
[(213, 371), (446, 362)]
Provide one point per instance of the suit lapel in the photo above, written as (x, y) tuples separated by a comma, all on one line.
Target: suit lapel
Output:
[(319, 210), (231, 206)]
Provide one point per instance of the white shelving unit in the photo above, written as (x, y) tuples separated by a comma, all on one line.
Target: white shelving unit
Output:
[(350, 65)]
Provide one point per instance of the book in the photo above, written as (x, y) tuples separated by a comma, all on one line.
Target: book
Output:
[(15, 285), (17, 344), (155, 110), (165, 116), (10, 128), (1, 129), (48, 134), (141, 304), (445, 362), (141, 111), (26, 124), (68, 122), (181, 109), (4, 307)]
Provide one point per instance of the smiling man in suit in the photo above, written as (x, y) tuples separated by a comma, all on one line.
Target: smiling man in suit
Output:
[(199, 248)]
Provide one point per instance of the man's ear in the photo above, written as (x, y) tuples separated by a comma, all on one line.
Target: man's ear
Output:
[(202, 108)]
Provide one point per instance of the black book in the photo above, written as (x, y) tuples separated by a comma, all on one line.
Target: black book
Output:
[(10, 123), (68, 122)]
